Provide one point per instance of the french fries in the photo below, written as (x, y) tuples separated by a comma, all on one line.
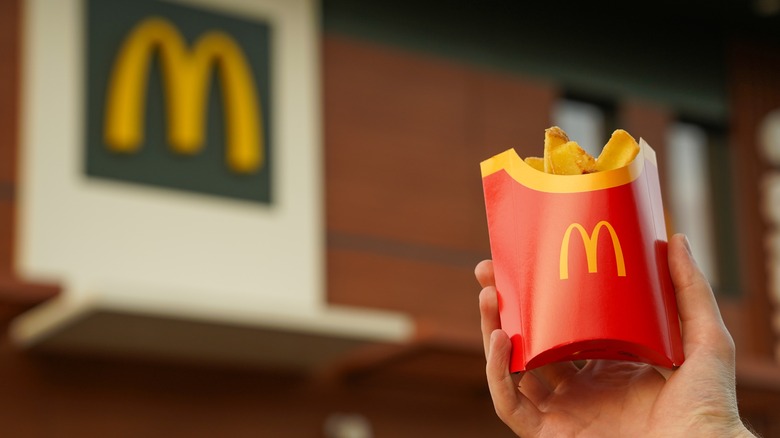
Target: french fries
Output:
[(620, 150), (565, 157), (536, 162)]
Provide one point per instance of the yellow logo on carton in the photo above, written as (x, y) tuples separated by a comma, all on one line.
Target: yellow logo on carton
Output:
[(186, 77), (591, 248)]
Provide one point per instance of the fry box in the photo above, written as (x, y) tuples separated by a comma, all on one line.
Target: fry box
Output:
[(580, 263)]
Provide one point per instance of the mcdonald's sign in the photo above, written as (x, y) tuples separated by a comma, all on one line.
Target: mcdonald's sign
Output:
[(590, 242), (179, 97)]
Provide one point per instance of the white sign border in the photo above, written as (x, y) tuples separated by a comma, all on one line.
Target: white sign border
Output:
[(96, 236)]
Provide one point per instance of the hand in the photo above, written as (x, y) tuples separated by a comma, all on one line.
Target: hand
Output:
[(601, 398)]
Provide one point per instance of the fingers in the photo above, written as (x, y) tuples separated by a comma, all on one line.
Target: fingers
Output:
[(489, 318), (488, 302), (514, 408), (484, 273), (551, 375), (702, 325)]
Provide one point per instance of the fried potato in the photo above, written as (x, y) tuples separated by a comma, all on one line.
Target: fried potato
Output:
[(553, 138), (619, 151), (535, 162), (570, 159), (565, 157)]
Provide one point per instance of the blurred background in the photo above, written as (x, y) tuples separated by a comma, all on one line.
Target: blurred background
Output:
[(394, 105)]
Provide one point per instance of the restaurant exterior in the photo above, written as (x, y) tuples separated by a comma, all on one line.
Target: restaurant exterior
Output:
[(261, 218)]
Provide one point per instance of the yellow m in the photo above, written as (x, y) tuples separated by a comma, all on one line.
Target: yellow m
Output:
[(591, 248), (186, 77)]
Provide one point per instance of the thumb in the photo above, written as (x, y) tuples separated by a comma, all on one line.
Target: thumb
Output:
[(702, 325)]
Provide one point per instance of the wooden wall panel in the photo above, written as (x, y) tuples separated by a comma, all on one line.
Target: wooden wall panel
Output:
[(7, 225), (400, 157), (62, 396), (404, 136), (429, 290), (512, 112), (754, 91), (10, 13)]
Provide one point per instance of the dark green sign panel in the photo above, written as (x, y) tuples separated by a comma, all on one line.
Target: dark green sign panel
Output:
[(179, 97)]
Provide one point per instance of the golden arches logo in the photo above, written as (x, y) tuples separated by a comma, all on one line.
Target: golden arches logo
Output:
[(186, 78), (591, 248)]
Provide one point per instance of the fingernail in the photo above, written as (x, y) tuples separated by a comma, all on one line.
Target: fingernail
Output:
[(687, 245)]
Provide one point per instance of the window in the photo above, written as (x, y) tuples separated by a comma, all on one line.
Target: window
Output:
[(698, 179), (688, 177), (589, 124)]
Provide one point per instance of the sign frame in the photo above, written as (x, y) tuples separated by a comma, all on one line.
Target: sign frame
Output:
[(93, 235)]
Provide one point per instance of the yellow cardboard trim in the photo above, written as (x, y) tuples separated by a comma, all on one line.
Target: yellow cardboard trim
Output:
[(526, 175)]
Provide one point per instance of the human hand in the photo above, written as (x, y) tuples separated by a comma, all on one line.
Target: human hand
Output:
[(614, 398)]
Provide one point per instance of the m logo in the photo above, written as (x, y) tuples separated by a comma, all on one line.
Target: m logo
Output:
[(186, 77), (590, 242), (179, 98)]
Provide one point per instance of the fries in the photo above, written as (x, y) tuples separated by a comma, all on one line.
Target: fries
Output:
[(536, 162), (620, 150), (565, 157)]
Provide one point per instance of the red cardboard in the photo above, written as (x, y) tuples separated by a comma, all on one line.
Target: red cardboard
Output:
[(580, 263)]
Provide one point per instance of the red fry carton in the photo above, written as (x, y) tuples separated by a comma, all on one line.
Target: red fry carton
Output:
[(580, 263)]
